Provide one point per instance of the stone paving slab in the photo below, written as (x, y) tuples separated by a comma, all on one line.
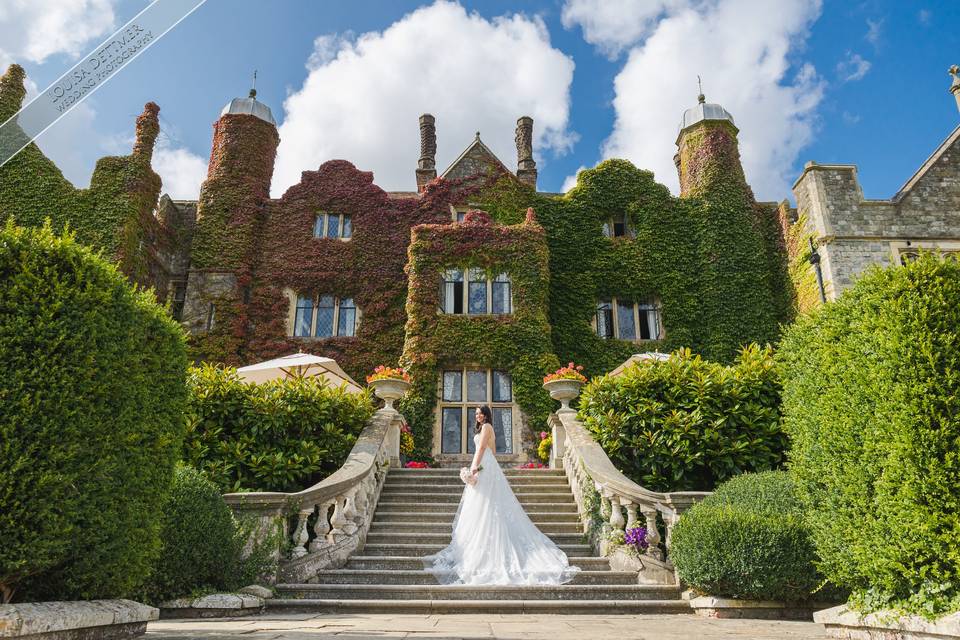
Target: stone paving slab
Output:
[(311, 626)]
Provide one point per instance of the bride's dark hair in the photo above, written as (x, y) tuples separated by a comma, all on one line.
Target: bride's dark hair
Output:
[(487, 417)]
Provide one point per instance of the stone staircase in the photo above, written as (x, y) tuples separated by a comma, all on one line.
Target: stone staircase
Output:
[(413, 518)]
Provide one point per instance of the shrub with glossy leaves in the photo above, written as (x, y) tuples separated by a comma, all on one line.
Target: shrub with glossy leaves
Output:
[(687, 423), (91, 421), (748, 540), (872, 407), (282, 435)]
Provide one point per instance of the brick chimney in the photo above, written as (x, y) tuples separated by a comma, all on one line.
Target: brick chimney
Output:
[(427, 164)]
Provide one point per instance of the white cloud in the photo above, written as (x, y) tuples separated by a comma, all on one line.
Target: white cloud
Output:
[(850, 119), (874, 32), (744, 50), (181, 170), (361, 98), (34, 30), (571, 181), (925, 17), (853, 67), (612, 25)]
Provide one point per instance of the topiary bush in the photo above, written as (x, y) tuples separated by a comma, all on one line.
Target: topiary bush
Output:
[(203, 544), (283, 435), (91, 420), (872, 407), (748, 540), (687, 423)]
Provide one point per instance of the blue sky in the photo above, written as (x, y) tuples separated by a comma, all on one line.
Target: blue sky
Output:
[(847, 82)]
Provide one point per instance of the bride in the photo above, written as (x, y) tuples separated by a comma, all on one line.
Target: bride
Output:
[(494, 542)]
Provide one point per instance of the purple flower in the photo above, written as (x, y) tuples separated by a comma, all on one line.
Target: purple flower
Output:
[(637, 537)]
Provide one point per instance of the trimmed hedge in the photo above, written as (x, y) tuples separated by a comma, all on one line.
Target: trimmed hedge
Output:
[(687, 423), (203, 544), (283, 435), (748, 540), (91, 420), (872, 407)]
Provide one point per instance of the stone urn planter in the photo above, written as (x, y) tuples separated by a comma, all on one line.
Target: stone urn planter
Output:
[(564, 391), (390, 390)]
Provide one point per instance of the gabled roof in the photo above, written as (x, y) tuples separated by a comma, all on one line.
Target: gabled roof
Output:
[(466, 164), (927, 165)]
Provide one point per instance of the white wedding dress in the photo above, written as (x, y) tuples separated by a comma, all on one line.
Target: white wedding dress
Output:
[(494, 542)]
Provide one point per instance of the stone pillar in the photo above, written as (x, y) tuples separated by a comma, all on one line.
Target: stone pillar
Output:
[(526, 165), (427, 164), (955, 87)]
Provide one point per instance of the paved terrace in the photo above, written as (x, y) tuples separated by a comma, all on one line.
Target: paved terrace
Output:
[(528, 627)]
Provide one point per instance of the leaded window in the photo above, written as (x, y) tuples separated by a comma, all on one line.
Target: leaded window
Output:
[(333, 225), (474, 293), (462, 391), (325, 316), (628, 320)]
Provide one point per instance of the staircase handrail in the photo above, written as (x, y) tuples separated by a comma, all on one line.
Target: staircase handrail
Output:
[(351, 492), (588, 468)]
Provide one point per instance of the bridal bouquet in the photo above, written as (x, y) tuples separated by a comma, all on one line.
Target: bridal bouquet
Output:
[(467, 477)]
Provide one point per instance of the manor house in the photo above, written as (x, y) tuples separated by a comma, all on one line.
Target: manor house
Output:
[(473, 279)]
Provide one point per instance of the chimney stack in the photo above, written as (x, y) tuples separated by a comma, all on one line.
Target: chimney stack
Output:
[(148, 126), (526, 165), (955, 87), (427, 164)]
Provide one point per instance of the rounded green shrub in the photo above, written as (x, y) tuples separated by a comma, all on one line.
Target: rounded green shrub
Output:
[(748, 540), (283, 435), (688, 423), (872, 408), (200, 546), (91, 421)]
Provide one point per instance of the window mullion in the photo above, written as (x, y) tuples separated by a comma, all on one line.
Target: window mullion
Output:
[(636, 319), (614, 317), (336, 317)]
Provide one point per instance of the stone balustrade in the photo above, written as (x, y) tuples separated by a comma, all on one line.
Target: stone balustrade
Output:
[(608, 501), (324, 524)]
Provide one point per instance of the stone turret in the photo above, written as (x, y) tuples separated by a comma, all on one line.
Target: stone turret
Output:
[(526, 165), (230, 210), (427, 164)]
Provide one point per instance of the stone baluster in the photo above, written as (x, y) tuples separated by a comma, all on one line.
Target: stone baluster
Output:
[(631, 512), (322, 527), (361, 500), (671, 520), (300, 535), (616, 515), (350, 513), (338, 521), (653, 534)]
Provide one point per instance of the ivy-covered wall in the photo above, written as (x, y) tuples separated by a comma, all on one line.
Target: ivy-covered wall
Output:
[(114, 214), (518, 342)]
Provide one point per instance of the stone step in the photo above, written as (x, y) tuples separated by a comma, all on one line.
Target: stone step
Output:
[(455, 472), (402, 576), (591, 607), (443, 538), (409, 563), (416, 508), (446, 517), (455, 481), (430, 498), (433, 526), (457, 489), (418, 550), (486, 592)]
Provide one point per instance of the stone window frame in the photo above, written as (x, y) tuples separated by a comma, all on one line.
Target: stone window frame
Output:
[(472, 276), (293, 303), (648, 304), (900, 249), (608, 228), (323, 228), (467, 407)]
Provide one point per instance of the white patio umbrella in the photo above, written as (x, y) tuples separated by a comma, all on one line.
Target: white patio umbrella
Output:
[(640, 357), (299, 365)]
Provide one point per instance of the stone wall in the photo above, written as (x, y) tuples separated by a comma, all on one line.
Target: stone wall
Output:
[(854, 233)]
